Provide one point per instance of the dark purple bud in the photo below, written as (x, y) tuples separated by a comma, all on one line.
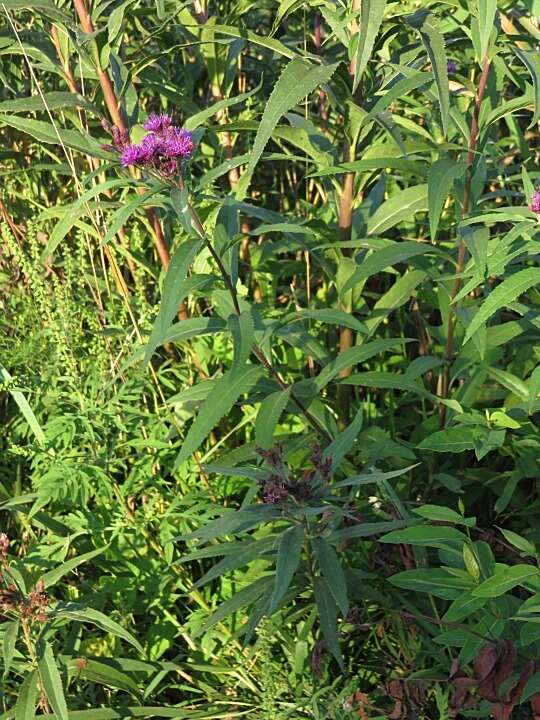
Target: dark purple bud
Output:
[(451, 67)]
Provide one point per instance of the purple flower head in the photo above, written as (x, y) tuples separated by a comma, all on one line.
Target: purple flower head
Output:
[(534, 205), (178, 143), (157, 123), (132, 155), (161, 148), (451, 67)]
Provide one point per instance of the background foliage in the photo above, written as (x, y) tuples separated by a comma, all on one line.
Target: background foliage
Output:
[(269, 439)]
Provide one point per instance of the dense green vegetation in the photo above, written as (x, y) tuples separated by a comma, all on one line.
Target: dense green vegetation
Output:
[(269, 359)]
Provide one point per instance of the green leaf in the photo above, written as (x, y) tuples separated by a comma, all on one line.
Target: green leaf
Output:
[(240, 32), (371, 16), (11, 631), (222, 397), (532, 62), (288, 560), (344, 441), (332, 572), (330, 316), (327, 609), (24, 407), (97, 618), (52, 576), (51, 680), (519, 542), (268, 416), (396, 92), (299, 78), (463, 607), (45, 132), (71, 213), (504, 580), (486, 23), (246, 553), (501, 296), (441, 177), (232, 521), (197, 119), (353, 356), (174, 287), (453, 440), (394, 298), (426, 536), (25, 707), (106, 675), (243, 332), (119, 218), (56, 100), (510, 381), (390, 380), (244, 597), (443, 514), (437, 581), (400, 206), (385, 258), (373, 476), (434, 43)]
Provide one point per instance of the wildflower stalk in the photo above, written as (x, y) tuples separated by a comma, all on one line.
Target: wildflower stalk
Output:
[(259, 354), (444, 378)]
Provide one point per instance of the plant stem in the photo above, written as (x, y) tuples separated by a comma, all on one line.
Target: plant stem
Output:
[(444, 378)]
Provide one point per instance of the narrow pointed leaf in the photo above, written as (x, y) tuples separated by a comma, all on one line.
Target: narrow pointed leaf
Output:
[(299, 78), (222, 397), (371, 16), (288, 560), (51, 680), (501, 296), (327, 610), (332, 572), (268, 416)]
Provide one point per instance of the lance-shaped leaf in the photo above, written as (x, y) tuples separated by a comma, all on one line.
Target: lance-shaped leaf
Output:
[(51, 680), (327, 609), (173, 293), (299, 78), (371, 16), (222, 397), (440, 179), (288, 560), (502, 296), (532, 62)]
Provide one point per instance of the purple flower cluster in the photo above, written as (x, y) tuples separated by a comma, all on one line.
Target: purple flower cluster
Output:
[(534, 205), (451, 67), (160, 150)]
